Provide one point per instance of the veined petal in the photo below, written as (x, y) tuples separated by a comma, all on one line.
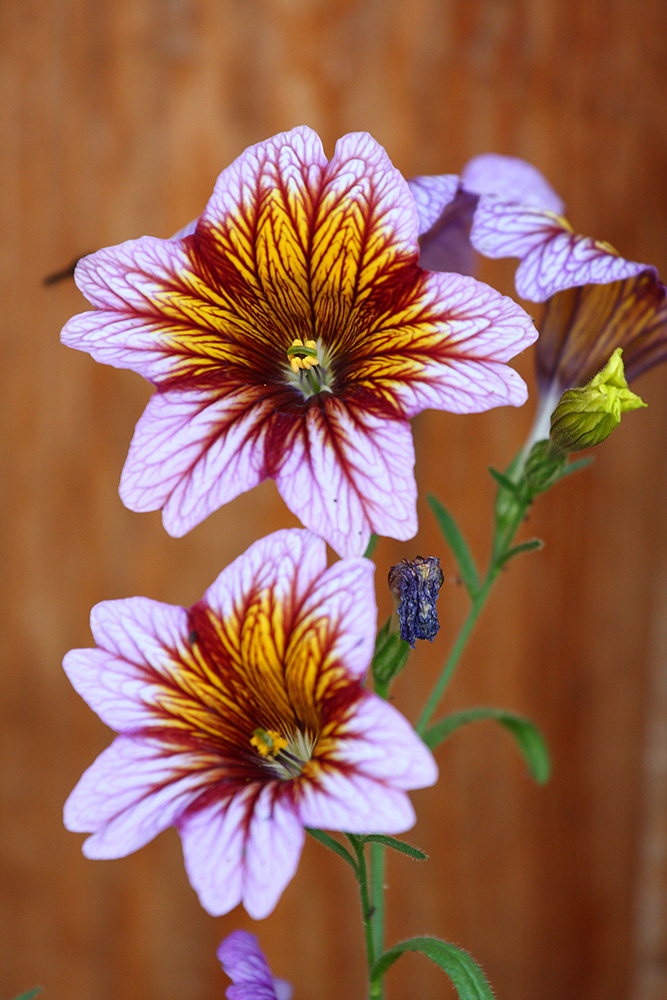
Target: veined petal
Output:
[(247, 852), (432, 195), (553, 257), (582, 327), (346, 590), (286, 563), (131, 793), (352, 802), (191, 453), (348, 473), (509, 178), (243, 961)]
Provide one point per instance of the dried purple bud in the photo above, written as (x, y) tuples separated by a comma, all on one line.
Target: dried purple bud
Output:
[(415, 585)]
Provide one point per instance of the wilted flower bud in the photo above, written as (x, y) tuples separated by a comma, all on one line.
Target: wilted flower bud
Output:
[(587, 415), (415, 585)]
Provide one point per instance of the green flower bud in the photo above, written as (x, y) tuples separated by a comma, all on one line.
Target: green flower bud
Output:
[(587, 415)]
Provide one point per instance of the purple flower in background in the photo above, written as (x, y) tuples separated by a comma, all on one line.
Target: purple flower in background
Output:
[(243, 961), (243, 720), (291, 333)]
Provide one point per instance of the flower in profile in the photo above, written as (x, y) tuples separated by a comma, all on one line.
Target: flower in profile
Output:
[(243, 961), (415, 584), (291, 334), (242, 720)]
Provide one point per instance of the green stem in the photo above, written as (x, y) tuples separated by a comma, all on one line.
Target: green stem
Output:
[(366, 908), (377, 896)]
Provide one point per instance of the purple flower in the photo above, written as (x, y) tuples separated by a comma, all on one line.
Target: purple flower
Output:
[(291, 333), (415, 584), (243, 720), (243, 961)]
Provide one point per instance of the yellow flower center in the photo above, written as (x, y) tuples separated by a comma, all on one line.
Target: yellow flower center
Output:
[(268, 742), (302, 355)]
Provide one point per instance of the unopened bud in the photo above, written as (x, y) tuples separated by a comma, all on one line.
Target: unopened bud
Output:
[(586, 416)]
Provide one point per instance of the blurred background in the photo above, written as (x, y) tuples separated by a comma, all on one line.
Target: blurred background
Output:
[(116, 120)]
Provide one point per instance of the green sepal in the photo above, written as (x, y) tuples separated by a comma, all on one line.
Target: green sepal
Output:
[(333, 845), (466, 975), (505, 482), (398, 845), (529, 739), (391, 655), (457, 544)]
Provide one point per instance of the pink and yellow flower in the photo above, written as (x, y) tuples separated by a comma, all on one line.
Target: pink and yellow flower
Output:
[(242, 720), (292, 334)]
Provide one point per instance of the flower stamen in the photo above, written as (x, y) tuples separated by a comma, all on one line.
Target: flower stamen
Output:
[(268, 742), (302, 355)]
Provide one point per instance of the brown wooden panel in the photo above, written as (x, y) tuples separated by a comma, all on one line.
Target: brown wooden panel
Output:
[(115, 120)]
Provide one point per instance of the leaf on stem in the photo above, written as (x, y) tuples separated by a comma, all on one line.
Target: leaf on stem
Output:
[(467, 977), (507, 484), (529, 740), (457, 544), (534, 543), (398, 845), (30, 994), (333, 845)]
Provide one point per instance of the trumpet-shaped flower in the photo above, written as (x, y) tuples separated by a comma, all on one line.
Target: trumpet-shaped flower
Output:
[(244, 962), (292, 335), (242, 720)]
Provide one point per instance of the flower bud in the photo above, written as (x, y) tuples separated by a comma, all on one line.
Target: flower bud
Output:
[(587, 415), (415, 585)]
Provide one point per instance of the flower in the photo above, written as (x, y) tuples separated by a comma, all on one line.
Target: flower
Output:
[(243, 720), (293, 335), (243, 961), (415, 584), (586, 415)]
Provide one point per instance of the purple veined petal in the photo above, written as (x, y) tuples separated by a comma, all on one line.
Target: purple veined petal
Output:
[(245, 852), (346, 591), (191, 454), (380, 743), (287, 562), (243, 961), (432, 195), (446, 246), (348, 473), (354, 803), (135, 636), (464, 371), (132, 792), (510, 179), (553, 257), (187, 230)]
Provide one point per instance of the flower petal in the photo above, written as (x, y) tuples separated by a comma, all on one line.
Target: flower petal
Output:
[(354, 803), (432, 195), (246, 851), (243, 961), (348, 473), (131, 793), (582, 327), (193, 452), (346, 592), (552, 256), (509, 178)]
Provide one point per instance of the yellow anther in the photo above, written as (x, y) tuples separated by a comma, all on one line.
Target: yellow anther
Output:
[(268, 742), (302, 355)]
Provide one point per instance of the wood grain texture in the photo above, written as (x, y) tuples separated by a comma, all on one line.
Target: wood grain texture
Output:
[(115, 120)]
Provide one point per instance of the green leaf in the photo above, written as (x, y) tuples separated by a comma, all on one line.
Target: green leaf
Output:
[(333, 845), (370, 548), (530, 741), (534, 543), (390, 656), (457, 544), (30, 994), (507, 484), (464, 972), (398, 845)]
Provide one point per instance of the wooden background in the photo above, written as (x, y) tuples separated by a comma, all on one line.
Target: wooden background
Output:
[(116, 119)]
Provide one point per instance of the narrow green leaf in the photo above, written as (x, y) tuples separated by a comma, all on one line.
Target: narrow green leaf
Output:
[(398, 845), (457, 544), (506, 483), (529, 740), (534, 543), (30, 994), (466, 975), (370, 548), (333, 845)]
